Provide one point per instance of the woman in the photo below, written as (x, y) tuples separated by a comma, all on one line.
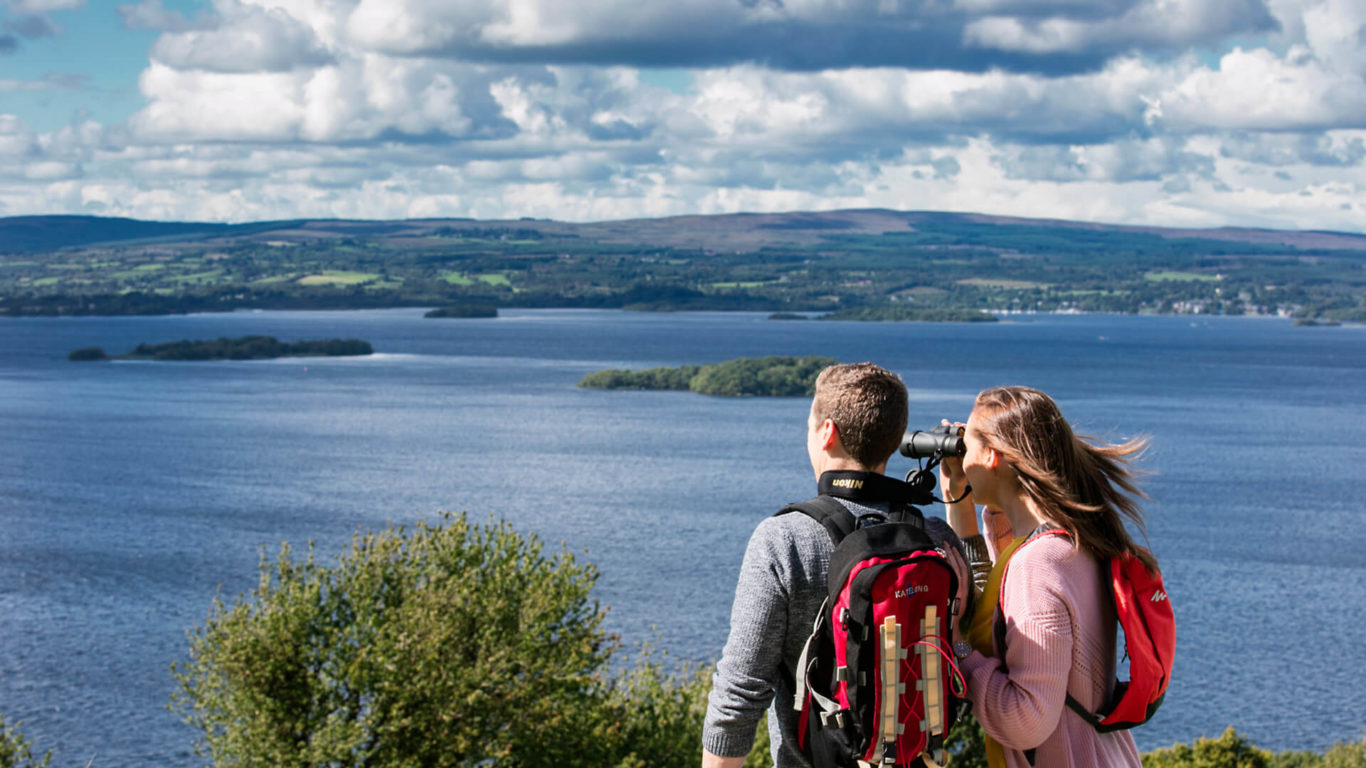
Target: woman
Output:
[(1055, 625)]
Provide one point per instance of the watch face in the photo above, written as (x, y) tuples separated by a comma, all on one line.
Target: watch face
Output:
[(961, 649)]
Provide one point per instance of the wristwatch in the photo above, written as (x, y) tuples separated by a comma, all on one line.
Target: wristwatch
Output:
[(961, 649)]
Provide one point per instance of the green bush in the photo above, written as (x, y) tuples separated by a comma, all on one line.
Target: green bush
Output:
[(17, 751), (1232, 750), (452, 645), (1346, 755), (773, 376)]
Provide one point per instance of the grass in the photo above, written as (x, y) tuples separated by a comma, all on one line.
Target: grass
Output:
[(456, 278), (749, 284), (273, 279), (1008, 284), (1167, 275), (196, 277), (338, 277), (137, 273), (496, 279)]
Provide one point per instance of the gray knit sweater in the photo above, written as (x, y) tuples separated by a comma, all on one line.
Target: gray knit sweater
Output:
[(780, 589)]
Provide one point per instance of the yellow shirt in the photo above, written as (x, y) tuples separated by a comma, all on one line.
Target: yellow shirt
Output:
[(981, 630)]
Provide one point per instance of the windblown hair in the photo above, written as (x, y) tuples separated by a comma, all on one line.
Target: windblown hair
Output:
[(867, 403), (1087, 486)]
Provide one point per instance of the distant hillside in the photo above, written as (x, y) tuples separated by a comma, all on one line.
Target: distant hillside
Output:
[(720, 232), (866, 263)]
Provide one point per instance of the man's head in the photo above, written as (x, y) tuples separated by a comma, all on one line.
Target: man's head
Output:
[(861, 406)]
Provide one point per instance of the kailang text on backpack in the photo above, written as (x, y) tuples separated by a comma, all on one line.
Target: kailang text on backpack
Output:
[(877, 683), (1144, 614)]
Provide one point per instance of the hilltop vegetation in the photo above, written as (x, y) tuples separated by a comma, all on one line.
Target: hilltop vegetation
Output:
[(773, 376), (244, 348), (463, 311), (911, 264)]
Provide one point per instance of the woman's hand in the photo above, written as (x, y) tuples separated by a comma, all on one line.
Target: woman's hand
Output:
[(952, 482)]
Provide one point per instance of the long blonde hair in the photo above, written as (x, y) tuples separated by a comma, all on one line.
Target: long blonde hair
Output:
[(1086, 486)]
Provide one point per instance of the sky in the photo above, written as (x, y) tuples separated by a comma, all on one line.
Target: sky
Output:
[(1187, 113)]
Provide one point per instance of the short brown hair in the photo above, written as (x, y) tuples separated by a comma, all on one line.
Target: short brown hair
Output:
[(867, 404)]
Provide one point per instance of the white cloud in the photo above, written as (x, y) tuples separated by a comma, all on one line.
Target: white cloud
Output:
[(247, 38), (43, 6), (1258, 90), (346, 108)]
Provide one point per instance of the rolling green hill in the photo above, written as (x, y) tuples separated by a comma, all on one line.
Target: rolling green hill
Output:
[(869, 263)]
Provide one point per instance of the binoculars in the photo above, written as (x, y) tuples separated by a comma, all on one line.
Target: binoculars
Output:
[(933, 443)]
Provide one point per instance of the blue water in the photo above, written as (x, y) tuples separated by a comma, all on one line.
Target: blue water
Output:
[(133, 493)]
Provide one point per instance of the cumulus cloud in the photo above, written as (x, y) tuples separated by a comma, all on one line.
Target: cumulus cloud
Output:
[(1259, 90), (1151, 25), (1048, 37), (1107, 110), (247, 38), (42, 6)]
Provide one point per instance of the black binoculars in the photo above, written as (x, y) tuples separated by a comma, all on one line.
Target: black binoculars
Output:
[(934, 443)]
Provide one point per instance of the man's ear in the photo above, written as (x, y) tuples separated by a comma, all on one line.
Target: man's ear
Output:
[(829, 435)]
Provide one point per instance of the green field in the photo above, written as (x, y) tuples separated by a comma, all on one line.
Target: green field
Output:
[(1021, 285), (338, 277), (1162, 276), (496, 279)]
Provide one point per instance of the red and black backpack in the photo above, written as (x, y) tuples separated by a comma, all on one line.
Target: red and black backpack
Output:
[(877, 682), (1144, 616)]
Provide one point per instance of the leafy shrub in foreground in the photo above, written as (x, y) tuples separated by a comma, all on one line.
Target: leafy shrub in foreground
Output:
[(1232, 750), (452, 645), (17, 751)]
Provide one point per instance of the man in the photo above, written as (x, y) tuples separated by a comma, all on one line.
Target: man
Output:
[(857, 420)]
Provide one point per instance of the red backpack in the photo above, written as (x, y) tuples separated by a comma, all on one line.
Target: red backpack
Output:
[(1145, 616), (877, 682)]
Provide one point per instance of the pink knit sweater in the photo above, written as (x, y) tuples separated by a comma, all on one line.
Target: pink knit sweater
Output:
[(1059, 639)]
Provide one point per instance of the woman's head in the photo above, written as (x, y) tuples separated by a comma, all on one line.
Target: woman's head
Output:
[(1019, 443)]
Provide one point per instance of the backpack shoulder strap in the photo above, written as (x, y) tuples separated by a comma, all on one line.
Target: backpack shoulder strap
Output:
[(1037, 534), (832, 515)]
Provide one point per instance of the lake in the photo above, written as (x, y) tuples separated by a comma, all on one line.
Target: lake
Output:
[(132, 493)]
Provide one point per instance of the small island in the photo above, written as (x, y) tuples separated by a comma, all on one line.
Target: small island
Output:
[(903, 314), (787, 316), (773, 376), (464, 310), (244, 348)]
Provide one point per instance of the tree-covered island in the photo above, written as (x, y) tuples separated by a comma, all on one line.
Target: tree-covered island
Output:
[(773, 376), (244, 348), (463, 311)]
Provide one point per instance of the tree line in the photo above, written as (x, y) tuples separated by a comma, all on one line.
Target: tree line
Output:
[(771, 376)]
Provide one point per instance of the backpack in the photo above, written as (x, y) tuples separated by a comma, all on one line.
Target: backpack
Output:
[(1144, 615), (877, 682)]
